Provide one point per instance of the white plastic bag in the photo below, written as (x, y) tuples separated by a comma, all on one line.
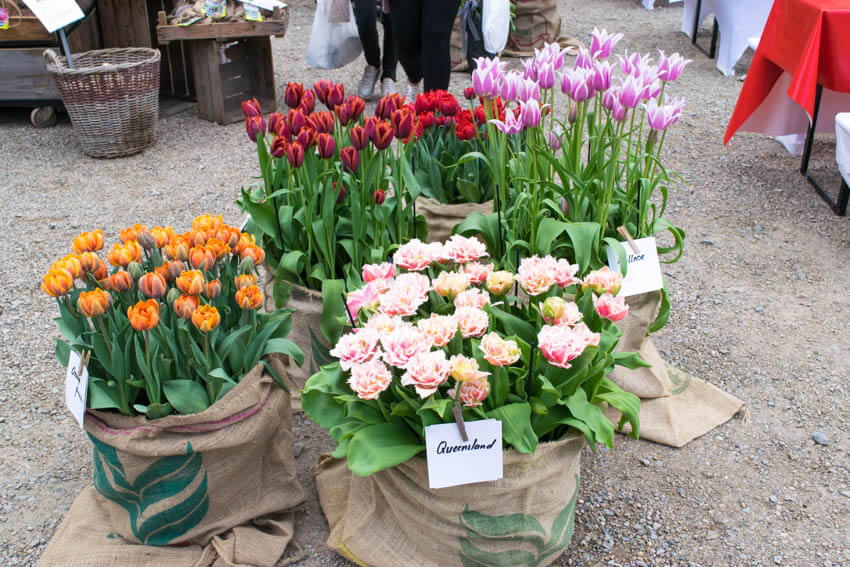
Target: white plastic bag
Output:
[(332, 45), (496, 24), (337, 11)]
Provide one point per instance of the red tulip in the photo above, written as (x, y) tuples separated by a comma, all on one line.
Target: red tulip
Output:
[(283, 130), (306, 137), (369, 126), (449, 105), (279, 146), (343, 113), (357, 105), (308, 103), (464, 130), (295, 154), (341, 188), (379, 196), (350, 158), (424, 102), (426, 119), (403, 123), (255, 126), (383, 134), (322, 122), (251, 108), (274, 121), (358, 137), (336, 95), (322, 88), (297, 119), (294, 92), (469, 93), (326, 145)]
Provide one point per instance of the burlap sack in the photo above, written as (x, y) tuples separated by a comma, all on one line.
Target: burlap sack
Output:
[(218, 484), (675, 408), (392, 518), (535, 23), (442, 218)]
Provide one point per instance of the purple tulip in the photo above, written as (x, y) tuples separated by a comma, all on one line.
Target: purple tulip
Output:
[(578, 84), (583, 60), (652, 90), (662, 117), (601, 43), (601, 76), (669, 68), (554, 141), (631, 90), (527, 89), (511, 125), (610, 97), (530, 112), (510, 84), (529, 69), (546, 76)]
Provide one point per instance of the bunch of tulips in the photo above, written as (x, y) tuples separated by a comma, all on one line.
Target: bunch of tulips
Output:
[(441, 327), (171, 320)]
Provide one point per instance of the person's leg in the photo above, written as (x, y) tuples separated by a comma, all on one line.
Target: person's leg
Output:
[(365, 15), (437, 19), (407, 32), (390, 60)]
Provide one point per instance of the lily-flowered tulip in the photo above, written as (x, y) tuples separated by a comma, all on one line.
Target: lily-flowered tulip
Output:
[(293, 94), (601, 43), (403, 122), (530, 113), (251, 108), (308, 103), (601, 76), (326, 146), (358, 137), (583, 59), (295, 154), (350, 158), (144, 315), (57, 282), (383, 134), (255, 126), (322, 88), (152, 285), (662, 117), (546, 76), (206, 318), (336, 95), (580, 84), (527, 90), (553, 140), (510, 84), (631, 90), (88, 242), (511, 125), (249, 297), (94, 303)]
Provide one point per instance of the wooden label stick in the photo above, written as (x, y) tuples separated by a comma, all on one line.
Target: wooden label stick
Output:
[(624, 232)]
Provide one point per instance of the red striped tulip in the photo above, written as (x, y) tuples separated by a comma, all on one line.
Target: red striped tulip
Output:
[(343, 113), (379, 195), (336, 95), (295, 154), (297, 119), (275, 119), (306, 137), (403, 123), (326, 145), (357, 106), (251, 108), (358, 137), (294, 92), (308, 102), (279, 146), (322, 122), (383, 134), (322, 89), (255, 126), (350, 158)]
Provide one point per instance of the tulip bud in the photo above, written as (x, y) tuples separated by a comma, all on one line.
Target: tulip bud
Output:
[(152, 285), (350, 158), (369, 127), (275, 119), (175, 268), (172, 296), (146, 240), (246, 266), (326, 145), (135, 270), (469, 93), (293, 94), (213, 289), (356, 105), (573, 115), (341, 188), (379, 196), (308, 102), (245, 280), (295, 154), (255, 126), (322, 89), (121, 281), (358, 137), (184, 305), (251, 108), (538, 407)]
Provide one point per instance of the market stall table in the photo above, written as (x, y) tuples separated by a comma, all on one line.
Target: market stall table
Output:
[(799, 71)]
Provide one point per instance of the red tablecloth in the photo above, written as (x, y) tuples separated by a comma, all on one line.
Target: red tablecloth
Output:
[(806, 39)]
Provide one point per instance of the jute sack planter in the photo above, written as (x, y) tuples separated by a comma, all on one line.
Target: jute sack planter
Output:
[(216, 487), (442, 218), (392, 518), (535, 23), (675, 408)]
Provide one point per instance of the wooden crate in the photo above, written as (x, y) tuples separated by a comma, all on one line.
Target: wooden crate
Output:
[(28, 30), (230, 71), (276, 26)]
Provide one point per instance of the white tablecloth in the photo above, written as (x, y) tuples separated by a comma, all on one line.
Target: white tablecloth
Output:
[(842, 144)]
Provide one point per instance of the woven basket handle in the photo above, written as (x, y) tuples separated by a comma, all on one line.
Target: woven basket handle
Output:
[(52, 57)]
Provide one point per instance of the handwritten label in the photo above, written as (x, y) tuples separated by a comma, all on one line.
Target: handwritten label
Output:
[(76, 388), (644, 273), (55, 14), (453, 461)]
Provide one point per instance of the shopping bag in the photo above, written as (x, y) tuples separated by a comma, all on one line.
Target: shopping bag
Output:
[(332, 44), (337, 11), (496, 24)]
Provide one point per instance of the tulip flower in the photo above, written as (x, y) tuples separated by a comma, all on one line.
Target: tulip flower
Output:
[(201, 258), (212, 289), (244, 280), (162, 235), (530, 113), (601, 43), (144, 315), (356, 105), (297, 119), (308, 103), (662, 117), (255, 253), (251, 108), (469, 93), (279, 146), (191, 282), (123, 255), (293, 94), (583, 59), (341, 188), (219, 248), (249, 298), (94, 303), (326, 146), (306, 137), (121, 281), (178, 249), (383, 134), (322, 88), (379, 196), (601, 76), (631, 90), (546, 76), (322, 122), (343, 114), (510, 84), (527, 89), (133, 268), (57, 282), (71, 263), (336, 94), (88, 242), (152, 285), (255, 126), (185, 305), (132, 232), (529, 70), (512, 125), (206, 318), (449, 105), (483, 81), (369, 127), (554, 141), (295, 154), (403, 123), (358, 137), (350, 158), (610, 307)]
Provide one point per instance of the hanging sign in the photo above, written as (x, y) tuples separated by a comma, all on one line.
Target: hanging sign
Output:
[(644, 273), (55, 14), (77, 386), (453, 461)]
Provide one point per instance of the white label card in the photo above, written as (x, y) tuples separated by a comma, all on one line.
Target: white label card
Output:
[(269, 5), (55, 14), (644, 273), (453, 461), (76, 388)]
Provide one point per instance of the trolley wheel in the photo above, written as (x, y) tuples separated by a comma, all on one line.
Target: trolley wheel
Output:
[(43, 117)]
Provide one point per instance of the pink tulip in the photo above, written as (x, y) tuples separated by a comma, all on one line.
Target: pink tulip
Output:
[(610, 307), (511, 125), (546, 76), (529, 69), (601, 43), (669, 68), (631, 90), (530, 112), (583, 60), (509, 87), (527, 89), (601, 76), (554, 141), (662, 117)]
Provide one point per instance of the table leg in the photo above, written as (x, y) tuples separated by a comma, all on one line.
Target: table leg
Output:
[(696, 22), (843, 196), (838, 207), (714, 32), (810, 135)]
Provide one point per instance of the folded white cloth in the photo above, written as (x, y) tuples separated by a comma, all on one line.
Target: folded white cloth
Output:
[(842, 144)]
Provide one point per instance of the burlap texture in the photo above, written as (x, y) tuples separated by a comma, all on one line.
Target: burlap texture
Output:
[(392, 518), (442, 218), (219, 484), (535, 23), (675, 408)]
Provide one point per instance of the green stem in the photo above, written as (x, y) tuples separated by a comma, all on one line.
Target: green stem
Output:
[(207, 381)]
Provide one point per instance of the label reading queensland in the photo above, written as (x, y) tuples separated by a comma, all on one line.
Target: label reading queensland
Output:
[(76, 387), (644, 273), (453, 461)]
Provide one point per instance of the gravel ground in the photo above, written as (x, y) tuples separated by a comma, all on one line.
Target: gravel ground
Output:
[(760, 308)]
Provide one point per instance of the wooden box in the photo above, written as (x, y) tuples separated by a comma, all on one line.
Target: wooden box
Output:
[(26, 29)]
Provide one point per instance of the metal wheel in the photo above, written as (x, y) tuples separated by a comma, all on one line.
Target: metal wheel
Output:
[(43, 116)]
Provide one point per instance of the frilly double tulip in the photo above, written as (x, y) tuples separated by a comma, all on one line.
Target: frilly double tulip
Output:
[(358, 137), (350, 158), (465, 369), (122, 255), (379, 196), (449, 105), (162, 235), (121, 281), (255, 126), (383, 134), (132, 232), (88, 242), (251, 108), (185, 305), (144, 315), (146, 240), (162, 270), (403, 122), (295, 154), (207, 222), (178, 249), (306, 137), (297, 119), (72, 264), (322, 88), (244, 280), (201, 258), (249, 297), (94, 303), (499, 282), (213, 289), (245, 240), (206, 318), (326, 145), (473, 393), (255, 253), (57, 282), (191, 282), (152, 285), (219, 248), (610, 307), (292, 95)]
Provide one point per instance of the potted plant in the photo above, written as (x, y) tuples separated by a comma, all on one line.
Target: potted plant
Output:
[(185, 395), (436, 329)]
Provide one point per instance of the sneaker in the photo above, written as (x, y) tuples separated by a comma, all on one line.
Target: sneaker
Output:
[(367, 83), (388, 87), (413, 89)]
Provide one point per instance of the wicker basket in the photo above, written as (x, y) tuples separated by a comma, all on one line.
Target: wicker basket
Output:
[(112, 96)]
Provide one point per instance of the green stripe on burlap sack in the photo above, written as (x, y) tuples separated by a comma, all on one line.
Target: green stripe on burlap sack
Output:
[(441, 219), (220, 484), (392, 518), (675, 408)]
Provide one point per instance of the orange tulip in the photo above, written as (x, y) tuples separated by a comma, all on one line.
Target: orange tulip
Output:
[(206, 318), (218, 248), (255, 253), (94, 303), (88, 242), (105, 284), (152, 285), (121, 255), (178, 248), (146, 240), (121, 281), (144, 315), (245, 240), (200, 256), (132, 233), (175, 268), (163, 271), (207, 223), (57, 282), (249, 297), (213, 289), (244, 280), (185, 305), (229, 235), (89, 261), (197, 237), (100, 273), (191, 282), (72, 264), (162, 235)]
